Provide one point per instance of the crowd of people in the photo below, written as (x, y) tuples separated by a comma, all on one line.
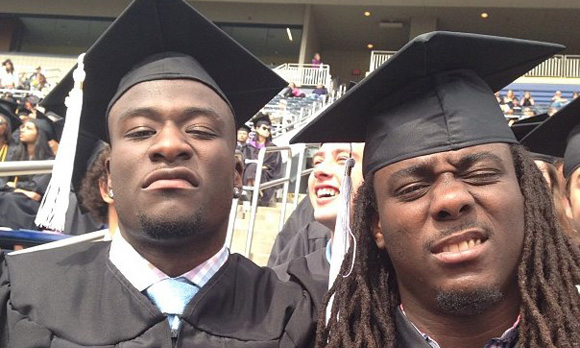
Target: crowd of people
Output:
[(427, 223), (526, 106), (26, 134), (11, 79)]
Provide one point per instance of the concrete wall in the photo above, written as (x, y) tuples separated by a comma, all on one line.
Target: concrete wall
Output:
[(342, 63)]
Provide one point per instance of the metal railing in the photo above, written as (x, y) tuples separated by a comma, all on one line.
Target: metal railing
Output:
[(305, 74), (255, 189), (379, 57), (557, 66), (26, 167)]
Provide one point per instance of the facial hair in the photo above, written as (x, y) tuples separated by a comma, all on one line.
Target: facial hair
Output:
[(173, 228), (468, 302)]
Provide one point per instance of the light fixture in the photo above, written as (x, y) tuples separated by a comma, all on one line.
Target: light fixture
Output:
[(370, 46), (367, 13), (484, 15), (289, 34)]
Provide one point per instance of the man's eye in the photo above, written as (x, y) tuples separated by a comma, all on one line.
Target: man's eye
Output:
[(141, 133), (412, 191), (201, 133), (482, 177)]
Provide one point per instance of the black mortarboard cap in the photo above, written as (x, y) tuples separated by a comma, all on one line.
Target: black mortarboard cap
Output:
[(245, 127), (522, 127), (261, 118), (7, 109), (149, 27), (559, 136), (434, 95)]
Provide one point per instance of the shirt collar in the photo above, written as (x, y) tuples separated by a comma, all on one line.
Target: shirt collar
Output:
[(507, 339), (142, 273)]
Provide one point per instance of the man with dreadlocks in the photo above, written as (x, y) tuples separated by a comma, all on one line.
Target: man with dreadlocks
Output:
[(457, 244)]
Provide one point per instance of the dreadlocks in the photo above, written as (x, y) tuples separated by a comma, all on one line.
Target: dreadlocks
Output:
[(548, 273)]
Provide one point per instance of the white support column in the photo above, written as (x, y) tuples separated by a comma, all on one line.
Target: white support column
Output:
[(309, 44)]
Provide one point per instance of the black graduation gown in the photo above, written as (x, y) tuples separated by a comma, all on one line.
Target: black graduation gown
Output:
[(272, 170), (314, 236), (73, 297), (314, 265), (302, 215), (311, 271), (17, 211)]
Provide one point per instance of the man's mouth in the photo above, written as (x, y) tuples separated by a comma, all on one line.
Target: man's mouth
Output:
[(170, 178), (461, 247)]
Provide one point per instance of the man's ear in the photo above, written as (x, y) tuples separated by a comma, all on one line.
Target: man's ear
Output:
[(104, 190), (106, 185), (239, 170), (378, 232), (568, 208)]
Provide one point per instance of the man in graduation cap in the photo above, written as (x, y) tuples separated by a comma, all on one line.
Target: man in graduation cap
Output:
[(457, 244), (160, 88)]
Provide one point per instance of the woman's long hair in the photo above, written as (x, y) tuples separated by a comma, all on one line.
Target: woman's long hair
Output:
[(8, 131), (548, 273), (42, 150)]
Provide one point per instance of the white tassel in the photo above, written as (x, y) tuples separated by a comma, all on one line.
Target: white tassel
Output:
[(342, 233), (52, 212)]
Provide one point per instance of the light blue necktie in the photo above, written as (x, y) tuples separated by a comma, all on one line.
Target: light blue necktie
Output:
[(171, 296)]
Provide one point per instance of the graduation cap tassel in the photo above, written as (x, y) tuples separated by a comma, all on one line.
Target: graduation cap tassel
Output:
[(342, 232), (52, 211)]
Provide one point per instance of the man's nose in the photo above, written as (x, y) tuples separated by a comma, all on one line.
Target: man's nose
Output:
[(451, 199), (170, 145)]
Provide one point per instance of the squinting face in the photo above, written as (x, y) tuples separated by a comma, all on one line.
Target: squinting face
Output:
[(325, 180), (453, 226), (574, 198), (172, 161)]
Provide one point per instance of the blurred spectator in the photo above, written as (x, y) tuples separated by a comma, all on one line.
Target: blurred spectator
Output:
[(20, 196), (320, 90), (316, 60), (95, 195), (8, 122), (509, 98), (528, 112), (296, 92), (527, 99), (574, 95), (281, 115), (291, 91), (38, 81), (501, 101), (516, 108), (243, 134), (8, 77), (272, 165), (558, 101)]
